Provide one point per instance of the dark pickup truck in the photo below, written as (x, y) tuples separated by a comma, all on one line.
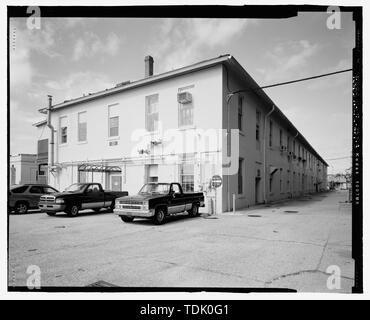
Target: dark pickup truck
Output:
[(79, 196), (157, 201)]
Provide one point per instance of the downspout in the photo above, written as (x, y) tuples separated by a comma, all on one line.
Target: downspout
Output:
[(50, 126), (293, 182), (228, 98), (264, 153)]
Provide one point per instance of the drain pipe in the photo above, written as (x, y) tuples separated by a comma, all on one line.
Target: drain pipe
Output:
[(50, 126), (294, 138), (264, 153)]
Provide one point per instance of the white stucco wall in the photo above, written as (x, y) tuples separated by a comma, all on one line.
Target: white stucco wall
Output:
[(207, 101)]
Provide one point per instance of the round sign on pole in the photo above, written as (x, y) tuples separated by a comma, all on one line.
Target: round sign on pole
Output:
[(216, 181)]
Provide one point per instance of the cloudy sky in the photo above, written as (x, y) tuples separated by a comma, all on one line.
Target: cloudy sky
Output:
[(71, 57)]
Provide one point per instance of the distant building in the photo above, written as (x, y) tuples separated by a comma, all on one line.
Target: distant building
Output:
[(42, 151), (23, 169), (338, 182), (94, 137)]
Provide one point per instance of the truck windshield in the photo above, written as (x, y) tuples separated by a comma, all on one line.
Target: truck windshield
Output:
[(155, 188), (74, 187)]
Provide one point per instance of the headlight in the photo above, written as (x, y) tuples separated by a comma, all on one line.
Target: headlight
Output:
[(59, 201), (146, 205)]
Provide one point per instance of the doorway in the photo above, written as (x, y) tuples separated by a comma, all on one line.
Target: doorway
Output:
[(151, 173), (257, 190), (115, 182)]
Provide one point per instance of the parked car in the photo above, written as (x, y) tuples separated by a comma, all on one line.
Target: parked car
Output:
[(157, 201), (27, 196), (79, 196)]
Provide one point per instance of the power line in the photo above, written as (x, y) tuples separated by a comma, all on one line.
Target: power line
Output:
[(339, 158), (305, 79), (297, 80)]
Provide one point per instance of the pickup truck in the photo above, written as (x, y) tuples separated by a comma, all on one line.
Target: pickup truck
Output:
[(79, 196), (157, 201)]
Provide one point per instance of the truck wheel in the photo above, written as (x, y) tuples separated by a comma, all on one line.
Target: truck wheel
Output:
[(51, 214), (159, 216), (73, 211), (96, 210), (127, 219), (21, 207), (194, 210)]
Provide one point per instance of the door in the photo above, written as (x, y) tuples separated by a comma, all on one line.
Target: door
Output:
[(151, 173), (257, 190), (93, 197), (177, 202), (35, 192), (116, 182)]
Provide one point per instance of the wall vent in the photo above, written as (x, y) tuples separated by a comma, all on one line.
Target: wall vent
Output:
[(113, 143)]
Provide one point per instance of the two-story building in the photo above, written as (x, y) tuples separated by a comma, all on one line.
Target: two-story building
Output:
[(185, 125)]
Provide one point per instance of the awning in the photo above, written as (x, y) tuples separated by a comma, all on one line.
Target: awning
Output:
[(98, 168), (273, 170)]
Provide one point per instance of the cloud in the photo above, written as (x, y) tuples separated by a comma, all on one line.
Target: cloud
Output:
[(287, 59), (183, 41), (90, 45), (24, 43)]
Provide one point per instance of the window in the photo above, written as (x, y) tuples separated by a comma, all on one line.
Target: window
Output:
[(258, 122), (240, 176), (113, 120), (82, 127), (176, 189), (93, 188), (19, 189), (281, 137), (49, 190), (151, 113), (186, 113), (36, 189), (270, 135), (294, 146), (288, 143), (240, 113), (63, 130), (186, 174)]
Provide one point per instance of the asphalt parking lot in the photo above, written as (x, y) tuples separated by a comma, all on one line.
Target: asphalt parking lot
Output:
[(285, 245)]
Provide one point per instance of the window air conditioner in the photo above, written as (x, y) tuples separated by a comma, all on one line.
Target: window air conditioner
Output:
[(184, 97)]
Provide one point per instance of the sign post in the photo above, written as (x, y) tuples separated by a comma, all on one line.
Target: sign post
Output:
[(216, 182)]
